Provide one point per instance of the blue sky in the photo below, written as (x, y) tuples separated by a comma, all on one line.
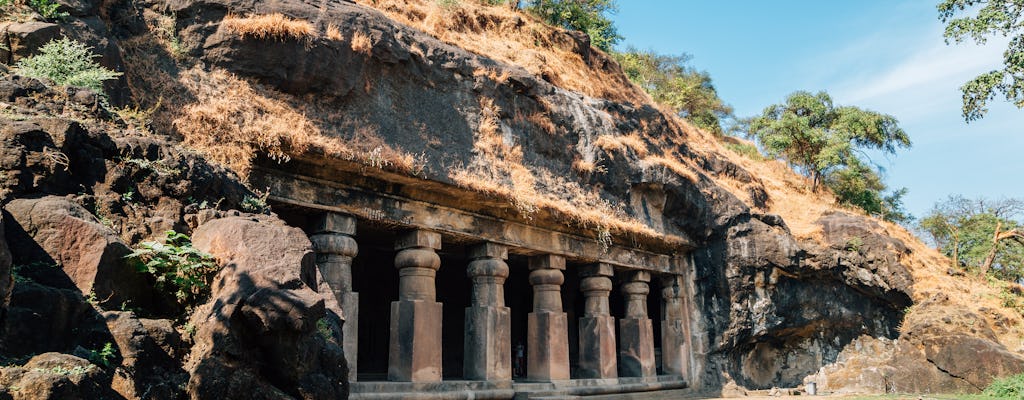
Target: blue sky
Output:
[(887, 56)]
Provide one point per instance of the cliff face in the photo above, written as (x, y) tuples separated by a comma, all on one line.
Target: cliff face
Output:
[(772, 308), (783, 282)]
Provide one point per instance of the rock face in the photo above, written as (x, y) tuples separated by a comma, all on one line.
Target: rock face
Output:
[(23, 39), (151, 351), (6, 274), (258, 336), (57, 231), (53, 376)]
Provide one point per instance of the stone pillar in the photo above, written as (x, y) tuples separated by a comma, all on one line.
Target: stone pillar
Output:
[(675, 354), (547, 331), (488, 344), (636, 333), (597, 326), (335, 248), (415, 351)]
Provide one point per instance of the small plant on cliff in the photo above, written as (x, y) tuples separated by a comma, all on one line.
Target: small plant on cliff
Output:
[(48, 9), (256, 204), (179, 268), (103, 356), (67, 63)]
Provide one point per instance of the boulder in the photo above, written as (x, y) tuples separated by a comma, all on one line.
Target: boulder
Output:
[(56, 231), (257, 335), (150, 353), (972, 359), (42, 318), (880, 365), (25, 38), (55, 376)]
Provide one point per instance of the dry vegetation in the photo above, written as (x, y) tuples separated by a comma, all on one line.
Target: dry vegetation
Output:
[(497, 168), (513, 37), (270, 26), (361, 43), (333, 33)]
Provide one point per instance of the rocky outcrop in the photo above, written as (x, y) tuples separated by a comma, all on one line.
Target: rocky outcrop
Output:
[(59, 232), (151, 351), (22, 39), (54, 376), (258, 335)]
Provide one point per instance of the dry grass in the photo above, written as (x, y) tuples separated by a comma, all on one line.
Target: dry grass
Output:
[(361, 43), (543, 121), (269, 26), (333, 33), (620, 143), (497, 168), (516, 38), (498, 75), (232, 120)]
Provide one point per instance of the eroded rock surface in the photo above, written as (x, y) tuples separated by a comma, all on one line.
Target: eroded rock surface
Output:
[(59, 232), (258, 335), (54, 376)]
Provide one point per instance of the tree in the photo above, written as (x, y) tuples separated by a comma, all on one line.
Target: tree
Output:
[(994, 17), (672, 82), (979, 234), (817, 137), (586, 16), (860, 186)]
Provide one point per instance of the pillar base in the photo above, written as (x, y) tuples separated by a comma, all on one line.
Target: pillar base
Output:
[(547, 346), (350, 332), (597, 347), (675, 359), (488, 351), (415, 351), (636, 348)]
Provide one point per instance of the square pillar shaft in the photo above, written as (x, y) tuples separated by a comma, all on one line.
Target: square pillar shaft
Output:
[(488, 352), (415, 342), (636, 348), (597, 326), (597, 347), (415, 351), (547, 326), (488, 340)]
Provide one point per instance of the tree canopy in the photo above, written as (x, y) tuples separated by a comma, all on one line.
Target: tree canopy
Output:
[(588, 16), (815, 136), (993, 18), (828, 142), (672, 82), (979, 234)]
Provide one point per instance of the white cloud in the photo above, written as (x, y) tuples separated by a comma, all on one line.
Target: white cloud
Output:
[(936, 68)]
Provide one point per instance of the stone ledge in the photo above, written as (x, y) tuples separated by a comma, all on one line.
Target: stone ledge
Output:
[(508, 390)]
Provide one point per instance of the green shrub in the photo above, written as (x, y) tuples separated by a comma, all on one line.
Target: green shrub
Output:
[(67, 63), (47, 8), (256, 204), (587, 16), (1010, 387), (179, 268)]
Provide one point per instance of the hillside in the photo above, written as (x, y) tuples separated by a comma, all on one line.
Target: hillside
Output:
[(505, 117)]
